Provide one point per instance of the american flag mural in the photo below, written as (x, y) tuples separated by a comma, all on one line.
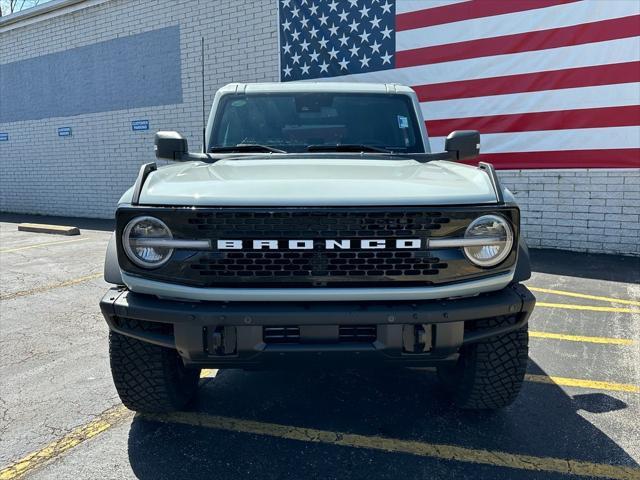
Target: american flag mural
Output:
[(548, 83)]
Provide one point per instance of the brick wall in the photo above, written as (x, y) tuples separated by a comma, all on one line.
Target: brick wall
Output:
[(594, 210), (85, 174)]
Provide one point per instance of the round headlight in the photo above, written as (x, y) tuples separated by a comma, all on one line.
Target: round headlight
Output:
[(143, 239), (490, 240)]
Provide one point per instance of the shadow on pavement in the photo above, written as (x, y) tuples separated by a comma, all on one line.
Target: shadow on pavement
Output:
[(106, 225), (400, 404), (614, 268)]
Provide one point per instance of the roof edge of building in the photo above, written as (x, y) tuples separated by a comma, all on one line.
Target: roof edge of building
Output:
[(45, 11)]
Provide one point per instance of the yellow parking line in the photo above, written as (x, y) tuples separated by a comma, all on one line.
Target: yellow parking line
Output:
[(208, 372), (385, 444), (583, 295), (578, 382), (68, 283), (580, 338), (590, 308), (117, 414), (37, 245), (103, 422)]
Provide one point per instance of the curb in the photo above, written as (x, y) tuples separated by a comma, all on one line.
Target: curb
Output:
[(54, 229)]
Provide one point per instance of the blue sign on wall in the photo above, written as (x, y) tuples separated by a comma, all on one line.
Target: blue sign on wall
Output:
[(4, 137), (64, 131), (139, 125)]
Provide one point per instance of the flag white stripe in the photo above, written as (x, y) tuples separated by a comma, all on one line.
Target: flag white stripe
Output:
[(523, 22), (513, 23), (599, 53), (404, 6), (543, 101), (554, 140)]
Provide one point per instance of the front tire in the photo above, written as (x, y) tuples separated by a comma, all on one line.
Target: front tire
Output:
[(489, 373), (150, 378)]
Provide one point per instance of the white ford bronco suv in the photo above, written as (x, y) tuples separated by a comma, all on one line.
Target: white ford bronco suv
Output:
[(317, 229)]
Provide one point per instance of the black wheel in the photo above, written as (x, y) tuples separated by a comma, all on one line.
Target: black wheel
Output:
[(150, 378), (489, 373)]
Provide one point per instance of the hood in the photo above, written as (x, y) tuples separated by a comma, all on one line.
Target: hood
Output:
[(267, 181)]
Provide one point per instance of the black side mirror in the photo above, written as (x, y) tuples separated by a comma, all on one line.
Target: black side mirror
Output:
[(463, 144), (170, 146)]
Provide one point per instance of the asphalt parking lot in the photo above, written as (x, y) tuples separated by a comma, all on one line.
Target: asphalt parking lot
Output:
[(60, 416)]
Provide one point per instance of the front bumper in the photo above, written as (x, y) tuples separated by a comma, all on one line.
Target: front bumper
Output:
[(232, 335)]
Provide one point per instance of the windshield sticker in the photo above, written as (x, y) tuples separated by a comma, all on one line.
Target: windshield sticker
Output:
[(403, 122)]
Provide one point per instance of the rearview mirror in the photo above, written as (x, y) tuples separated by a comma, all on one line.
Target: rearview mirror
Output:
[(170, 146), (463, 144)]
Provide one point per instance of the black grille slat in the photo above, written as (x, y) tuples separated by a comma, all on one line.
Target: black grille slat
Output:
[(346, 334), (281, 334), (358, 333)]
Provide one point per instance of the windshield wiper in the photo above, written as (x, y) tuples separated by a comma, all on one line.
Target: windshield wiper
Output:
[(246, 147), (346, 147)]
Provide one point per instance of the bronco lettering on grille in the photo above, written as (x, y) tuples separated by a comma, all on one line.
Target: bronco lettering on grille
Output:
[(348, 244)]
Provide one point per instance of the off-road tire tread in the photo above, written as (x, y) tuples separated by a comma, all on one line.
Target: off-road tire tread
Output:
[(147, 376), (489, 373)]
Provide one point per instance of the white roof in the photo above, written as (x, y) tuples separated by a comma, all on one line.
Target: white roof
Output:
[(268, 87)]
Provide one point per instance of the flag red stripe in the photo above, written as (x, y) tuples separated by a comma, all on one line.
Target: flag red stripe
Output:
[(532, 82), (467, 11), (522, 42), (525, 122), (614, 158)]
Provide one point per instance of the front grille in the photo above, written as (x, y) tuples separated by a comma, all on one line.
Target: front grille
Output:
[(317, 267), (321, 265)]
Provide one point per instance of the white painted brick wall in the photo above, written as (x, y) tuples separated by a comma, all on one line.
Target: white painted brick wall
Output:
[(84, 175), (592, 210)]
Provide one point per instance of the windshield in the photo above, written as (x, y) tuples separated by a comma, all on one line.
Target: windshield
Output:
[(295, 121)]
